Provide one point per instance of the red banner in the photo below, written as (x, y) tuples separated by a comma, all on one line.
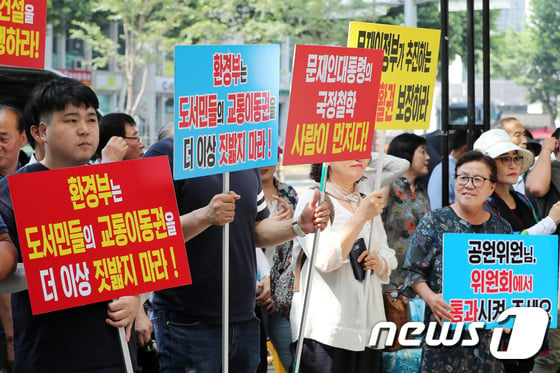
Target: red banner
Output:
[(333, 101), (100, 232), (22, 32), (83, 76)]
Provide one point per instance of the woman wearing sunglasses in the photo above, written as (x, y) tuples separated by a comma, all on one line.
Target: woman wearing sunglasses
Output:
[(512, 161)]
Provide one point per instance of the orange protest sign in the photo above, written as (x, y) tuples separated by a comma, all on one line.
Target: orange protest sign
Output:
[(332, 104), (99, 234)]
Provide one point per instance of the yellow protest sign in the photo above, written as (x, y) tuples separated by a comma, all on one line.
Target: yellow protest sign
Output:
[(409, 72)]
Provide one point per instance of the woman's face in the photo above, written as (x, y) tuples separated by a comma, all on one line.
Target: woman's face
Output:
[(470, 195), (346, 173), (419, 165), (509, 167), (267, 173)]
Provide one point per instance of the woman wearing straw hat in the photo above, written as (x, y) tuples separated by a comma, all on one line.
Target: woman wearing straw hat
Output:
[(512, 161)]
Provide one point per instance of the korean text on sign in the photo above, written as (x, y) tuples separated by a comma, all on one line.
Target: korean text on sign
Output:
[(484, 274), (22, 35), (331, 113), (107, 238), (226, 116), (409, 72)]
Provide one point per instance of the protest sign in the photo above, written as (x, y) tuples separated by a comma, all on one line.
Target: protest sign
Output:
[(409, 72), (483, 275), (101, 232), (22, 33), (332, 104), (226, 108)]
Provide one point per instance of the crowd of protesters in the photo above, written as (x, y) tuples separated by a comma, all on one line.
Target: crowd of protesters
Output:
[(370, 239)]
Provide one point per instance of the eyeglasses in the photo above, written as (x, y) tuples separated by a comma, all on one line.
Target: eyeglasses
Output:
[(477, 181), (137, 138), (507, 160)]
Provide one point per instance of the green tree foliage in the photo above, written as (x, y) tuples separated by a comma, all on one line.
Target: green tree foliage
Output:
[(509, 58), (150, 25), (428, 16), (322, 22), (145, 24), (61, 13), (542, 76)]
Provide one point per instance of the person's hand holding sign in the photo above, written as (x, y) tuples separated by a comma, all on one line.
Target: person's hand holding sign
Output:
[(315, 215), (219, 211), (122, 311), (371, 206)]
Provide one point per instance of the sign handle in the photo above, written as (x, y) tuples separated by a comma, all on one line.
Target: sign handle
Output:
[(373, 244), (307, 291), (125, 351), (225, 286)]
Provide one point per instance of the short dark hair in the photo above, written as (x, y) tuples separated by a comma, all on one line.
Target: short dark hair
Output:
[(405, 144), (316, 171), (556, 133), (17, 113), (476, 156), (459, 139), (30, 121), (56, 94), (113, 125)]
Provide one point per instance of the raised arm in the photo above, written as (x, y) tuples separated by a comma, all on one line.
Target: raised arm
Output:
[(538, 179)]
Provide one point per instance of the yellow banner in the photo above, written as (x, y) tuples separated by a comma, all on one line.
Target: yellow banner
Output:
[(409, 72)]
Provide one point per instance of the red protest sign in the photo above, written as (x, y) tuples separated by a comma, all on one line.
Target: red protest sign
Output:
[(333, 101), (101, 232), (22, 32)]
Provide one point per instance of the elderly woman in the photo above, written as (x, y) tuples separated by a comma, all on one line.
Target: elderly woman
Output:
[(407, 198), (475, 181), (343, 308), (513, 161)]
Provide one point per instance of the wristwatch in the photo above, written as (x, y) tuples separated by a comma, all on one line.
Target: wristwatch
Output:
[(297, 229)]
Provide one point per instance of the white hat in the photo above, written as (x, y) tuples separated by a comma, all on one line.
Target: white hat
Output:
[(497, 142)]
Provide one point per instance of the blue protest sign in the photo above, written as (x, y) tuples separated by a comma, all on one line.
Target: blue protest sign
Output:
[(226, 108), (485, 274)]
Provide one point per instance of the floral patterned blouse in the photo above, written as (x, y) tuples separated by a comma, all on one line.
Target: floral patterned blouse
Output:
[(404, 210), (424, 264), (281, 274)]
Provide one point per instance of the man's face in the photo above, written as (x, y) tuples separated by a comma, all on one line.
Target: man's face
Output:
[(71, 137), (135, 144), (516, 133), (11, 140)]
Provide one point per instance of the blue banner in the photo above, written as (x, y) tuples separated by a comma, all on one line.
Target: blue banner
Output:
[(226, 108), (484, 274)]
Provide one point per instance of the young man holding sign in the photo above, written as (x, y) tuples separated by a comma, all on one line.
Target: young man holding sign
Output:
[(188, 319), (82, 338)]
